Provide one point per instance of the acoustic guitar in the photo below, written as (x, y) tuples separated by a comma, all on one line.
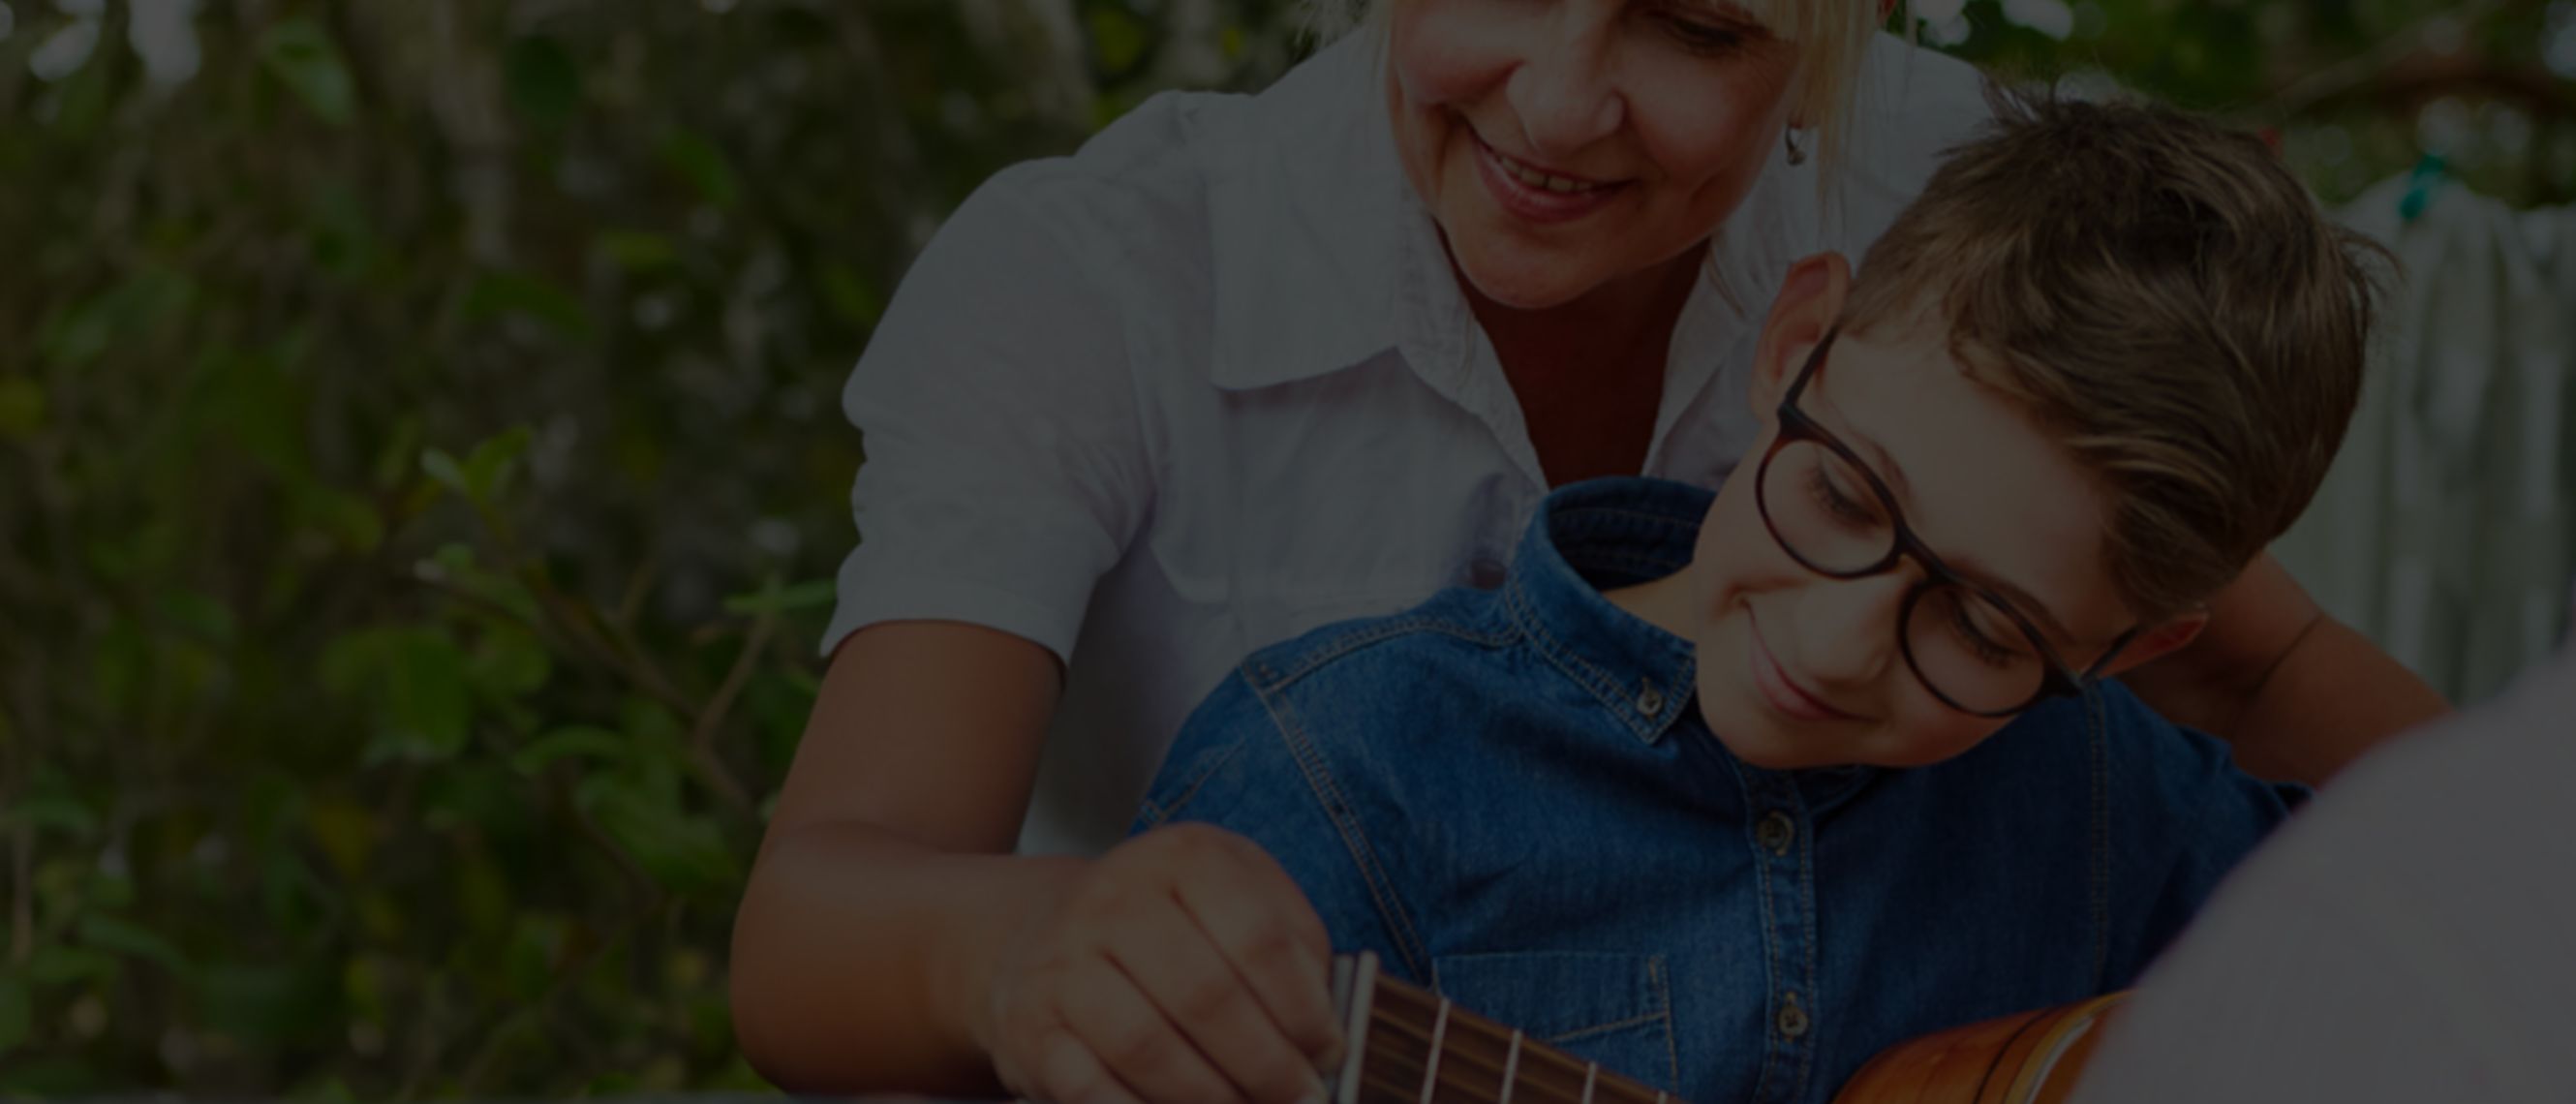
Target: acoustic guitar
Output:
[(1412, 1046)]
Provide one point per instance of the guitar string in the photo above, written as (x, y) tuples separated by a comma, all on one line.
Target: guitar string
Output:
[(1596, 1086), (1439, 1029), (1564, 1066)]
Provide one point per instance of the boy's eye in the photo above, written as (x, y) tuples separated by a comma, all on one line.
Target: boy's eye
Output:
[(1830, 486), (1979, 627)]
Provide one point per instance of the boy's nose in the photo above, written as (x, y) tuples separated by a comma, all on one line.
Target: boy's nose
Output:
[(1847, 628)]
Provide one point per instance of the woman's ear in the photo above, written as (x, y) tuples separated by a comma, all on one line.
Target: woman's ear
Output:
[(1810, 299), (2163, 640)]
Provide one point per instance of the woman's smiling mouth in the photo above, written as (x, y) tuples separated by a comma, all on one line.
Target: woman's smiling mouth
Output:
[(1537, 194)]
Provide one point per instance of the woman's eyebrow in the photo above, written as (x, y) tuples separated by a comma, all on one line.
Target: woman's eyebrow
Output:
[(1730, 11)]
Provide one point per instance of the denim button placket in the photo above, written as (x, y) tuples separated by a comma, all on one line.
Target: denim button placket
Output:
[(1776, 832)]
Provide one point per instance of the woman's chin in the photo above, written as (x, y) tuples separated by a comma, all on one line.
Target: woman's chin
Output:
[(1520, 281)]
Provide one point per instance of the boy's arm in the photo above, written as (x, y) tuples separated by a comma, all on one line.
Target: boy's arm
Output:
[(2295, 692)]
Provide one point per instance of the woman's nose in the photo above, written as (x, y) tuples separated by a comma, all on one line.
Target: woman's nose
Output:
[(1564, 92), (1847, 628)]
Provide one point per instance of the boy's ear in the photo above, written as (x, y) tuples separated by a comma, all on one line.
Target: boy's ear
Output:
[(2160, 641), (1810, 299)]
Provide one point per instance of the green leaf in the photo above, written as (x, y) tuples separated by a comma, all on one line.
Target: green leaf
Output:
[(267, 1003), (301, 55), (850, 297), (1118, 38), (17, 1013), (637, 251), (131, 940), (544, 82), (444, 468), (775, 599), (412, 682), (130, 310), (699, 162), (346, 831), (202, 616), (58, 964), (22, 407), (487, 468), (509, 664), (686, 854), (60, 812), (531, 297), (580, 741)]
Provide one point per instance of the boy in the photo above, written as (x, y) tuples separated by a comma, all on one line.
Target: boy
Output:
[(1730, 792)]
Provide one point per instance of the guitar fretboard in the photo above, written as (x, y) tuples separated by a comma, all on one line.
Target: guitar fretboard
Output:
[(1411, 1046)]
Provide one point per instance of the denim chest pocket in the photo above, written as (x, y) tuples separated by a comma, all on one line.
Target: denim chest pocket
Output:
[(1607, 1007)]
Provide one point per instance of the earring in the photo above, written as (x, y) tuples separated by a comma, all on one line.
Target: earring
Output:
[(1789, 137)]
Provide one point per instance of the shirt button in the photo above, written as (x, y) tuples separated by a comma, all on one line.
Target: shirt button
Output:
[(1793, 1017), (1650, 701), (1776, 832), (1486, 573)]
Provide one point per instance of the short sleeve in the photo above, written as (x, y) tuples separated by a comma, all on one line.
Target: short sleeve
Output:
[(1004, 469), (1232, 767), (2182, 818)]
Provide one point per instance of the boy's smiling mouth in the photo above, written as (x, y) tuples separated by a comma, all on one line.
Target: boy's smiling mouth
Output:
[(1779, 688)]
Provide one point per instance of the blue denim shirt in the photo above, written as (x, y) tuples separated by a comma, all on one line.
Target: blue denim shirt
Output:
[(1509, 796)]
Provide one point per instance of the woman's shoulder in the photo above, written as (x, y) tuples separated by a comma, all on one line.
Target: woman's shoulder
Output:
[(1153, 176)]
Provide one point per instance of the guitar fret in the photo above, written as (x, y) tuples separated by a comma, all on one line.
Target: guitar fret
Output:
[(1412, 1045), (1431, 1072)]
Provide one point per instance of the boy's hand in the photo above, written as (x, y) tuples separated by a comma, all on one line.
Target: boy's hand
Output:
[(1183, 967)]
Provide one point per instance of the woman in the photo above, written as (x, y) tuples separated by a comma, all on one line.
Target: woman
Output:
[(1247, 365)]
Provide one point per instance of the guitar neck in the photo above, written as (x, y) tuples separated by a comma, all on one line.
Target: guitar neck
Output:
[(1411, 1046)]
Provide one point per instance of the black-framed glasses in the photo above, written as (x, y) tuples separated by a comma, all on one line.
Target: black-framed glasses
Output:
[(1967, 644)]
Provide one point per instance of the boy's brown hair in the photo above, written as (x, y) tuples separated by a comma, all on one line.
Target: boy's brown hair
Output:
[(2166, 299)]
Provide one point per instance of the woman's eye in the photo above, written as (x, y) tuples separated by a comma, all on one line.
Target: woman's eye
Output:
[(1977, 638), (1703, 37)]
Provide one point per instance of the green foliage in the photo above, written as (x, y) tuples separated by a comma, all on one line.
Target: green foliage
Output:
[(421, 476)]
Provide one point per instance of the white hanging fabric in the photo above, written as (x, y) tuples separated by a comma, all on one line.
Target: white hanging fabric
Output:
[(2444, 531)]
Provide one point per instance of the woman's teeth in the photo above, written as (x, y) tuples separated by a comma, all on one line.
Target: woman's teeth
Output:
[(1537, 179)]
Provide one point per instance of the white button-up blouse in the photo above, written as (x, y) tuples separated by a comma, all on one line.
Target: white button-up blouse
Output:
[(1209, 383)]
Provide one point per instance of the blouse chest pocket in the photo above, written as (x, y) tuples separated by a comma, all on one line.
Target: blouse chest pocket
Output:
[(1607, 1007)]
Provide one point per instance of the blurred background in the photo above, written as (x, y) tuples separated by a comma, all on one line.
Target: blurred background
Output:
[(421, 469)]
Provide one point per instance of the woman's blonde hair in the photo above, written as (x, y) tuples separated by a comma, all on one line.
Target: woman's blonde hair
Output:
[(1832, 36)]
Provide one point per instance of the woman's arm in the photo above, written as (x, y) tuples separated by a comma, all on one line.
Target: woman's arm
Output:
[(888, 941), (884, 877), (2297, 693)]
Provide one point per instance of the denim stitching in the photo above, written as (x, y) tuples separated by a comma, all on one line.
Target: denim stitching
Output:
[(1308, 660), (1191, 790), (1588, 677), (1770, 938), (1579, 1034), (2101, 888), (1664, 996), (1807, 904), (1319, 780)]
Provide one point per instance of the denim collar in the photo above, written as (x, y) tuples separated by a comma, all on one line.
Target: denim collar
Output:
[(1600, 535), (1603, 534)]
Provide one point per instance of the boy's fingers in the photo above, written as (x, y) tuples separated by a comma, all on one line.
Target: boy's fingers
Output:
[(1190, 979), (1070, 1074), (1135, 1042), (1258, 918)]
